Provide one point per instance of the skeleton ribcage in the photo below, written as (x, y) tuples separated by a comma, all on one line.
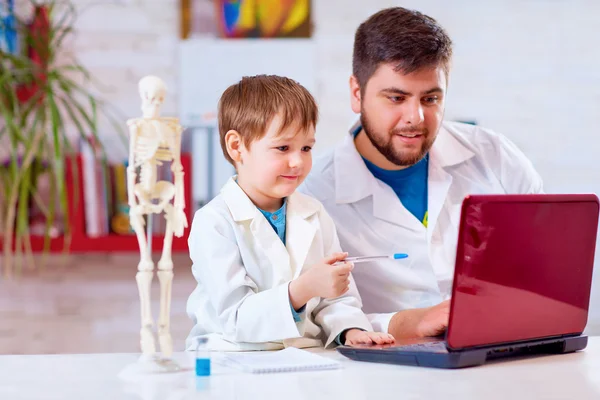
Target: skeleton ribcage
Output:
[(151, 150)]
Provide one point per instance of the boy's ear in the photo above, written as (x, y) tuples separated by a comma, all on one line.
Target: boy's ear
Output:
[(234, 144)]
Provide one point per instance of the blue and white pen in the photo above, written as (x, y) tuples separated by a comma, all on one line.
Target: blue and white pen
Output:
[(396, 256)]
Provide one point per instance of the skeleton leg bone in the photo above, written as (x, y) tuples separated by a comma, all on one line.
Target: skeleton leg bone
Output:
[(165, 276), (144, 281)]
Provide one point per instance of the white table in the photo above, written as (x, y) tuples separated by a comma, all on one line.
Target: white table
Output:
[(94, 376)]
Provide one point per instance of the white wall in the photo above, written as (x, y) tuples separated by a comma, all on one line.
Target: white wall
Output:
[(526, 68), (120, 41)]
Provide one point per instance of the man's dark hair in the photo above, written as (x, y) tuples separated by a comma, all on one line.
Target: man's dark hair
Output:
[(405, 38)]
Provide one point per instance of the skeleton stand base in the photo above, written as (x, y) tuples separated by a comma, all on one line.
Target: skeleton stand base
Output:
[(145, 382), (150, 365)]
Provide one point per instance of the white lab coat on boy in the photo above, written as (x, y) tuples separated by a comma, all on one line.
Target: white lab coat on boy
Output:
[(243, 270)]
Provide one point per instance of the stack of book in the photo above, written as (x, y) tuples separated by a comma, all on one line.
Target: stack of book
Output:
[(105, 194), (8, 27)]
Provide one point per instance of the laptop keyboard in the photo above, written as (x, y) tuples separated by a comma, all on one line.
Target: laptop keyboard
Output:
[(429, 347)]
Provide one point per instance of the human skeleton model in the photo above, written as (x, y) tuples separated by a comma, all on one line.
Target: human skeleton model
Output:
[(153, 141)]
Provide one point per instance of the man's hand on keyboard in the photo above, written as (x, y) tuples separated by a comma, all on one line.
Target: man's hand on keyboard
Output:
[(435, 320), (421, 322)]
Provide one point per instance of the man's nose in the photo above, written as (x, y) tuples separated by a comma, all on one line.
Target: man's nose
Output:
[(414, 113)]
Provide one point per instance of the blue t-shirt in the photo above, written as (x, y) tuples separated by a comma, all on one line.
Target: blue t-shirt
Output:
[(277, 220), (409, 184)]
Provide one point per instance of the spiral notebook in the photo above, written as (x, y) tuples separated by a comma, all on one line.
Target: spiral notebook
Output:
[(288, 360)]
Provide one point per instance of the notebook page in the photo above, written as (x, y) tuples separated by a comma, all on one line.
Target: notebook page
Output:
[(287, 360)]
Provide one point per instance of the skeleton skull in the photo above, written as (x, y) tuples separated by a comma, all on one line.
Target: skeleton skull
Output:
[(152, 91)]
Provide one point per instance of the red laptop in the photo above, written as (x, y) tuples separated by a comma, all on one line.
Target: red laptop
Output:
[(522, 283)]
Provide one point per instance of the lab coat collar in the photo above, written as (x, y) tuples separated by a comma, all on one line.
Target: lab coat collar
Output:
[(354, 181), (238, 202), (448, 150), (300, 231), (243, 209)]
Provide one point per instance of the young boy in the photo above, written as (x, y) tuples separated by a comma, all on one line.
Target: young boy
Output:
[(267, 258)]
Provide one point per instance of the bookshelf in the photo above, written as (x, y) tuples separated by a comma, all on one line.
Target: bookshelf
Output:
[(81, 243)]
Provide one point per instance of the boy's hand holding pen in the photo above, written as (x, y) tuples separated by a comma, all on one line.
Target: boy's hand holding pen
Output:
[(328, 279)]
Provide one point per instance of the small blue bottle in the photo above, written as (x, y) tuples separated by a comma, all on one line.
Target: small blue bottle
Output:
[(202, 357)]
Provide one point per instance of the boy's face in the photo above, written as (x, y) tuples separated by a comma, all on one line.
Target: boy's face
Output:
[(275, 165)]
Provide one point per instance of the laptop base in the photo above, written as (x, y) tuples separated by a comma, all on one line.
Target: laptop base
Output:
[(462, 358)]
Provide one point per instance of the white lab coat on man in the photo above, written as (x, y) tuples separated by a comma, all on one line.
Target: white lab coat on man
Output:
[(371, 220), (243, 270)]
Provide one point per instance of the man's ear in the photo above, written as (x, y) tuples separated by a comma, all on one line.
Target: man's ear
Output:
[(233, 141), (355, 95)]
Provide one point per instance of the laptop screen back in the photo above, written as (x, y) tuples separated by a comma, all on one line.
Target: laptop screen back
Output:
[(523, 268)]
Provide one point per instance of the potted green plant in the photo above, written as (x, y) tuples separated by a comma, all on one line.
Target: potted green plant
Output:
[(41, 98)]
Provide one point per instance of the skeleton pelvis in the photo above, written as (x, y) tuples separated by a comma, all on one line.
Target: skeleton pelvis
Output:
[(162, 191)]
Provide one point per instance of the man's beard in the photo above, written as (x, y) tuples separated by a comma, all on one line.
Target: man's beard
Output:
[(386, 147)]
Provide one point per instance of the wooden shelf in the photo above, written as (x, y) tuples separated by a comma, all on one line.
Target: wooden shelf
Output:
[(112, 242)]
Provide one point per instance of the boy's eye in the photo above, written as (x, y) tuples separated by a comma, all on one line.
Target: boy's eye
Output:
[(306, 148), (283, 148)]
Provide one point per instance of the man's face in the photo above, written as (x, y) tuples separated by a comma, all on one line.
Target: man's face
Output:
[(401, 114)]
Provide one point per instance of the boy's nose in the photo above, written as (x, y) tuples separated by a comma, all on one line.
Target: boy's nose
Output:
[(295, 161)]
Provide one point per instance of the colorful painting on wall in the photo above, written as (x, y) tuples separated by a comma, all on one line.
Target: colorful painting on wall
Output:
[(263, 18)]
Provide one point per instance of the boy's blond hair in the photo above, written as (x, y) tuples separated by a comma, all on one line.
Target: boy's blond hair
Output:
[(251, 104)]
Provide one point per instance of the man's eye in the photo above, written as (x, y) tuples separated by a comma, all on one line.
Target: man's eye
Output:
[(306, 148), (430, 100), (396, 99), (282, 148)]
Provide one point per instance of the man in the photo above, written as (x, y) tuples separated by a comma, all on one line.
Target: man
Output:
[(397, 182)]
